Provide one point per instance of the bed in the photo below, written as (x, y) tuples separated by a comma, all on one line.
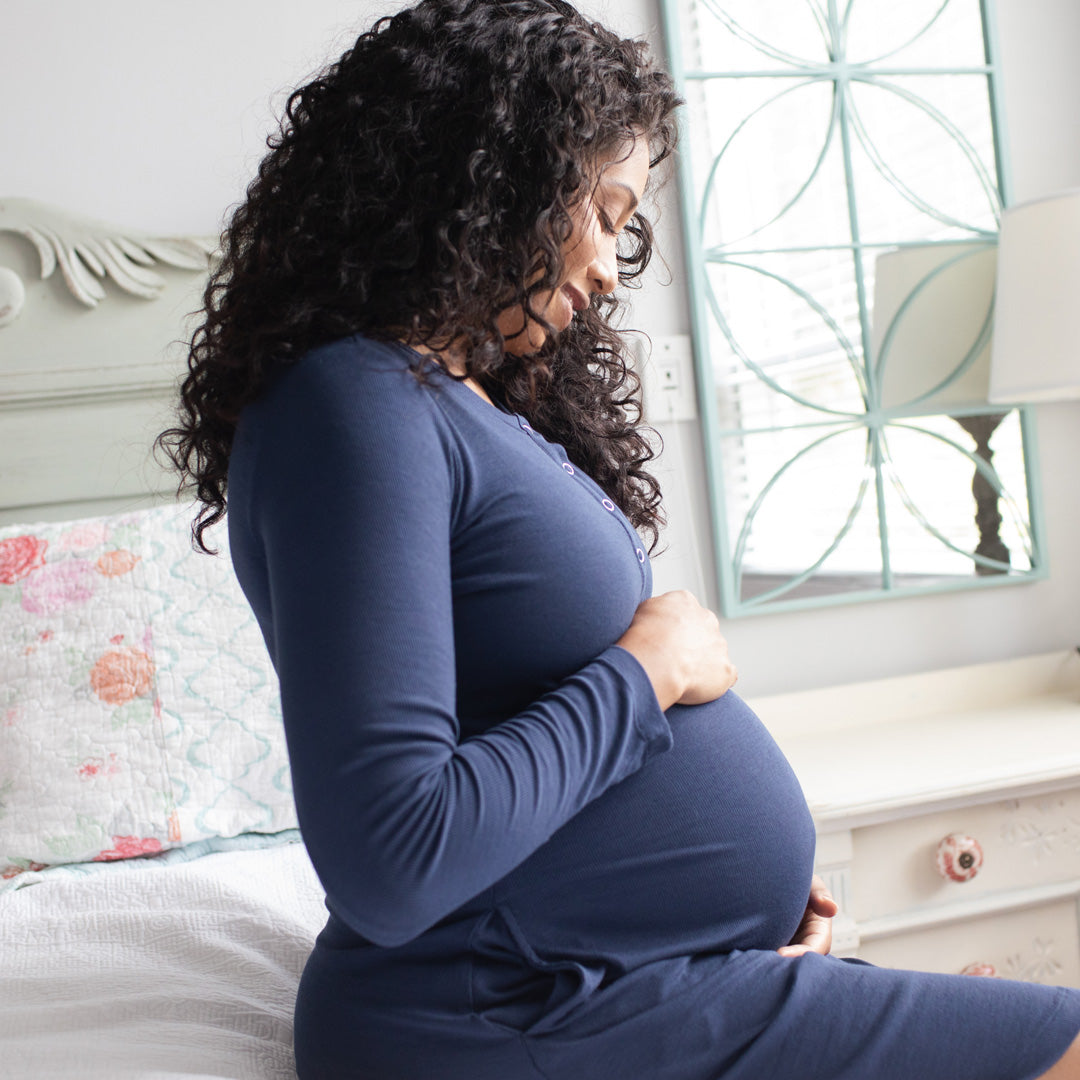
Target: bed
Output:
[(156, 904)]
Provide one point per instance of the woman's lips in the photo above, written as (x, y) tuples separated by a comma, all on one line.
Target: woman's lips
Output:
[(578, 300), (575, 301)]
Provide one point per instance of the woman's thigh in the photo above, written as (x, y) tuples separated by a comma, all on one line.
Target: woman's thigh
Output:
[(740, 1016), (754, 1015)]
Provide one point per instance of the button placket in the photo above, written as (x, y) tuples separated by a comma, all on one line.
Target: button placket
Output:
[(605, 502), (610, 507)]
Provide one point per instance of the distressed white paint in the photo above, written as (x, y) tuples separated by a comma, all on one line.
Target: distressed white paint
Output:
[(1035, 941)]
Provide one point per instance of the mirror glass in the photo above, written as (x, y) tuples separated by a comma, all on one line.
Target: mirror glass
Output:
[(843, 194)]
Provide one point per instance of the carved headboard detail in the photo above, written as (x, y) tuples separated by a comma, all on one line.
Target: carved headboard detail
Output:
[(88, 367)]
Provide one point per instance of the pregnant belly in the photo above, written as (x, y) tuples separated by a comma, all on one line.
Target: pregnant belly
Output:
[(709, 847)]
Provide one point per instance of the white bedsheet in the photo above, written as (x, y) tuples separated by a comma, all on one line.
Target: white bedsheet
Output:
[(183, 970)]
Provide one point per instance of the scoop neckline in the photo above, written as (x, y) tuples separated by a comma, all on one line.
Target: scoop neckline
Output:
[(460, 387)]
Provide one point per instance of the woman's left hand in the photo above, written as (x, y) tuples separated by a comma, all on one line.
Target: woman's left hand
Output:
[(815, 930)]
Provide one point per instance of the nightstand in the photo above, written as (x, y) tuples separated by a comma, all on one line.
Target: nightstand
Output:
[(948, 814)]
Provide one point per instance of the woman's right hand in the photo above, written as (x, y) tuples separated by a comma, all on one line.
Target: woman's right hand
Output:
[(679, 644)]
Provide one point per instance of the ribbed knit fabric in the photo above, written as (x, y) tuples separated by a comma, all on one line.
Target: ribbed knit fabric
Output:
[(531, 871)]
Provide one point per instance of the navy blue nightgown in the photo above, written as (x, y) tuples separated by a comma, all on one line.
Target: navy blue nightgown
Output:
[(532, 872)]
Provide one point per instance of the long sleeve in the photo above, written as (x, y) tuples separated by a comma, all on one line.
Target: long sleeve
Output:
[(342, 508)]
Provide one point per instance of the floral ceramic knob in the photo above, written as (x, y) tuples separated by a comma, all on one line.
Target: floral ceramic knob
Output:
[(987, 971), (959, 857)]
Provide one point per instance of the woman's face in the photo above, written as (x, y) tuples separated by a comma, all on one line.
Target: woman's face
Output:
[(589, 259)]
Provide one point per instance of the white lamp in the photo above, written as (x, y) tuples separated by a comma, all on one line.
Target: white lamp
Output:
[(933, 310), (1036, 349), (931, 333)]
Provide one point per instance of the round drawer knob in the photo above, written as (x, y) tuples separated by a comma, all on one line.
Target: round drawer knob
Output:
[(987, 971), (959, 857)]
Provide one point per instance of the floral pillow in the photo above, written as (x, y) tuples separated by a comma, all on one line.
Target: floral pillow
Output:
[(138, 707)]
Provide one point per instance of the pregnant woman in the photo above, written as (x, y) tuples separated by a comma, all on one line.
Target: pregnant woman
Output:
[(555, 844)]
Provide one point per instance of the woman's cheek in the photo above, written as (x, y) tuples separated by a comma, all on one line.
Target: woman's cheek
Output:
[(524, 339)]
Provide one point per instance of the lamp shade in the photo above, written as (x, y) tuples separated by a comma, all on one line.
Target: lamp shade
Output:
[(932, 318), (1036, 348)]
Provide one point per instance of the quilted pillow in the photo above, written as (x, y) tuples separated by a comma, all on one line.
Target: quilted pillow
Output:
[(138, 707)]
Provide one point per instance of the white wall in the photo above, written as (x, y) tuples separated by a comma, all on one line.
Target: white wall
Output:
[(154, 116)]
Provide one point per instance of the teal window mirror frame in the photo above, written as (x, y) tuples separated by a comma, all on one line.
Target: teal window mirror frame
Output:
[(862, 418)]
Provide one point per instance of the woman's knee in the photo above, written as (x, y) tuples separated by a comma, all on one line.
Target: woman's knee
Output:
[(1067, 1066)]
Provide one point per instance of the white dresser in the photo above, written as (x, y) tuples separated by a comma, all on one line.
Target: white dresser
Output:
[(988, 755)]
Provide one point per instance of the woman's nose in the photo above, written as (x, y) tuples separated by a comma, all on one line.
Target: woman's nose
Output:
[(603, 270)]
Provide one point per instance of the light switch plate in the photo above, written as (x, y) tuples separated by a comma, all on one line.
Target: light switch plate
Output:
[(667, 373)]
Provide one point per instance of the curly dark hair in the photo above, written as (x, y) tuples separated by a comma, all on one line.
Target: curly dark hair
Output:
[(417, 187)]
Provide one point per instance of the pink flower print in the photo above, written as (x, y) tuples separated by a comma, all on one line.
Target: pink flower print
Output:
[(129, 847), (52, 588), (117, 563), (99, 767), (44, 636), (89, 534), (116, 639), (10, 871), (19, 555), (121, 675)]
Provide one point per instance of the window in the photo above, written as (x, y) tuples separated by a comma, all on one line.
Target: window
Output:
[(842, 185)]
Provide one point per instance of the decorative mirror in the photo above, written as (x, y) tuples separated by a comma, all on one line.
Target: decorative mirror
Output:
[(842, 180)]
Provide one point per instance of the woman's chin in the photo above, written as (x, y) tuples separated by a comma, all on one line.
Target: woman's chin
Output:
[(522, 348), (526, 344)]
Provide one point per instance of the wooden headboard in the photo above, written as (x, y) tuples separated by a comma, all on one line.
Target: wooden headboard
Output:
[(92, 317)]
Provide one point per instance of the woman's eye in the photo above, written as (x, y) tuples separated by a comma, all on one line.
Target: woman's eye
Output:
[(606, 223)]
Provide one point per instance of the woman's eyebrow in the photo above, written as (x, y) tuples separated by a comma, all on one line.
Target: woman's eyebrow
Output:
[(629, 191)]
